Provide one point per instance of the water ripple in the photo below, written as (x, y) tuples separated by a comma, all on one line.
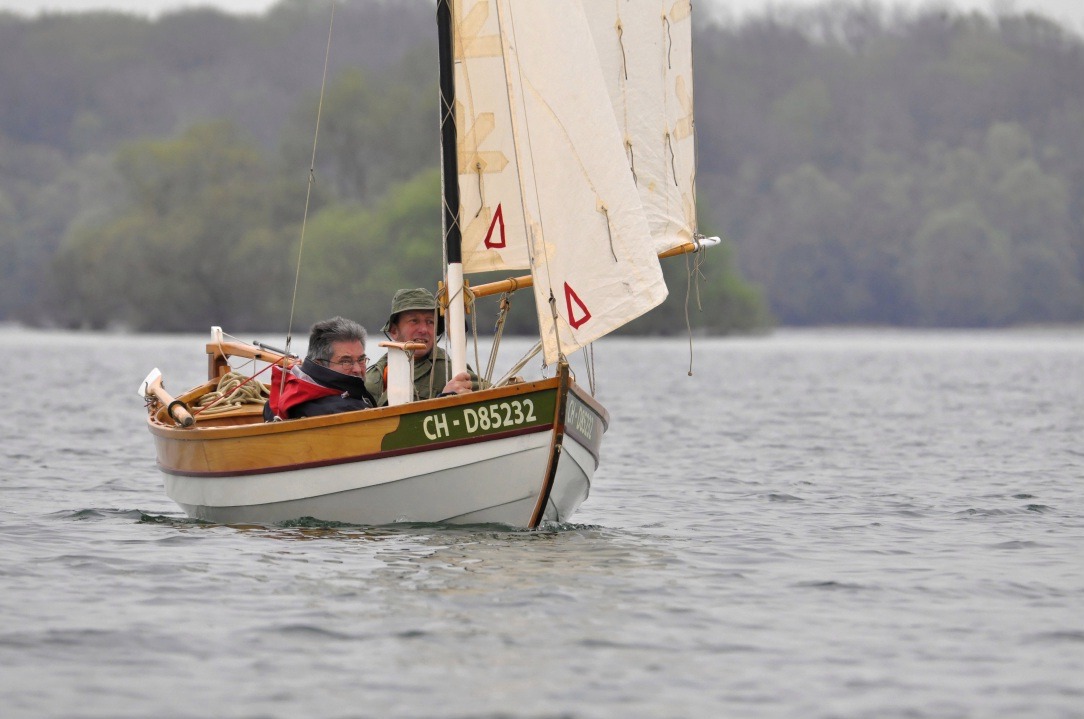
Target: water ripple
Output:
[(862, 525)]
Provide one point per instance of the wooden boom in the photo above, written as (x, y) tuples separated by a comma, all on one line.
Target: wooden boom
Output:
[(516, 283), (219, 352)]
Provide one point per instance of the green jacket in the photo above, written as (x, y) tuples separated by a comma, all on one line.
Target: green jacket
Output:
[(436, 368)]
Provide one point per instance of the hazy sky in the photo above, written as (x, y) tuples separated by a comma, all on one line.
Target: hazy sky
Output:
[(1070, 12)]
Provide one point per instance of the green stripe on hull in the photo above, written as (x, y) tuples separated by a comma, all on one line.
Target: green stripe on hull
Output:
[(471, 421), (584, 424)]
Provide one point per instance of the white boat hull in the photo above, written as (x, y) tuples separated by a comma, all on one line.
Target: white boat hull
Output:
[(496, 482), (518, 456)]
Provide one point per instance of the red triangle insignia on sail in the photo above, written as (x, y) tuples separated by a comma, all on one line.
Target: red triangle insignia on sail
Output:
[(500, 243), (578, 314)]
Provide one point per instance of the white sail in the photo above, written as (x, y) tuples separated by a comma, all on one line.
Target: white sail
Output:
[(645, 49), (491, 214), (544, 177)]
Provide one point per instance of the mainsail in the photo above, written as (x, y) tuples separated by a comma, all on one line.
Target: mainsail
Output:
[(546, 178), (645, 49)]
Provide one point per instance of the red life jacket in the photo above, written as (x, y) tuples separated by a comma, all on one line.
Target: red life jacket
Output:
[(297, 389)]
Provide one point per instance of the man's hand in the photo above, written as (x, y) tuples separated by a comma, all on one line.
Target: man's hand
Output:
[(458, 385)]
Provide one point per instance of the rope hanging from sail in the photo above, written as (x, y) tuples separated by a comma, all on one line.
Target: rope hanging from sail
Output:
[(693, 273)]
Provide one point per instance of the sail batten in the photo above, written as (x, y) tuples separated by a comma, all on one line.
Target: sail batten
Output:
[(544, 173)]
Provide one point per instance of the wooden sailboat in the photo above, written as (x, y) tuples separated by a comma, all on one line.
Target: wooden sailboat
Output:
[(567, 150)]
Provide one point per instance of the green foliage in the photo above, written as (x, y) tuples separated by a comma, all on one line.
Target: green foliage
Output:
[(187, 253), (356, 257), (375, 132), (864, 166), (706, 297), (960, 238), (887, 169)]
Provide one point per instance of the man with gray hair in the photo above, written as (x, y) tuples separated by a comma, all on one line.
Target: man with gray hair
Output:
[(330, 380)]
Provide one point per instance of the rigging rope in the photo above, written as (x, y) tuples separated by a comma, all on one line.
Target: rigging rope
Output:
[(432, 355), (498, 332), (468, 304), (589, 364), (311, 182)]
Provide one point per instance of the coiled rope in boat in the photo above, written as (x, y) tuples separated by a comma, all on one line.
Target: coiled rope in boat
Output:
[(233, 391)]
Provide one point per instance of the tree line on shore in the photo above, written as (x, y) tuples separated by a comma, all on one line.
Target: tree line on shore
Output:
[(864, 166)]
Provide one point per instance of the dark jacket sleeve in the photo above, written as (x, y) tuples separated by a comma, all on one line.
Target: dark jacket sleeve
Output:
[(351, 396), (330, 405)]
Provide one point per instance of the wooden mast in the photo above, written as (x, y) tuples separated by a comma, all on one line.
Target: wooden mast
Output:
[(456, 324)]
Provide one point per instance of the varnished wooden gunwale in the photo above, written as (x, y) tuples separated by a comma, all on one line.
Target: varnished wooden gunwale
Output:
[(314, 441)]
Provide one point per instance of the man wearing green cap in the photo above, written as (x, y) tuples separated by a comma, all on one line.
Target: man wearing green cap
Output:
[(414, 318)]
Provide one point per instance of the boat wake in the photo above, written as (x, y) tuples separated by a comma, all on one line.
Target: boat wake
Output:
[(93, 514), (310, 527)]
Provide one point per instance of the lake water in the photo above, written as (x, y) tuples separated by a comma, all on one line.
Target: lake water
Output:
[(816, 524)]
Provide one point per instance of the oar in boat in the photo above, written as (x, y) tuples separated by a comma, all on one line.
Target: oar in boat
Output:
[(152, 387)]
